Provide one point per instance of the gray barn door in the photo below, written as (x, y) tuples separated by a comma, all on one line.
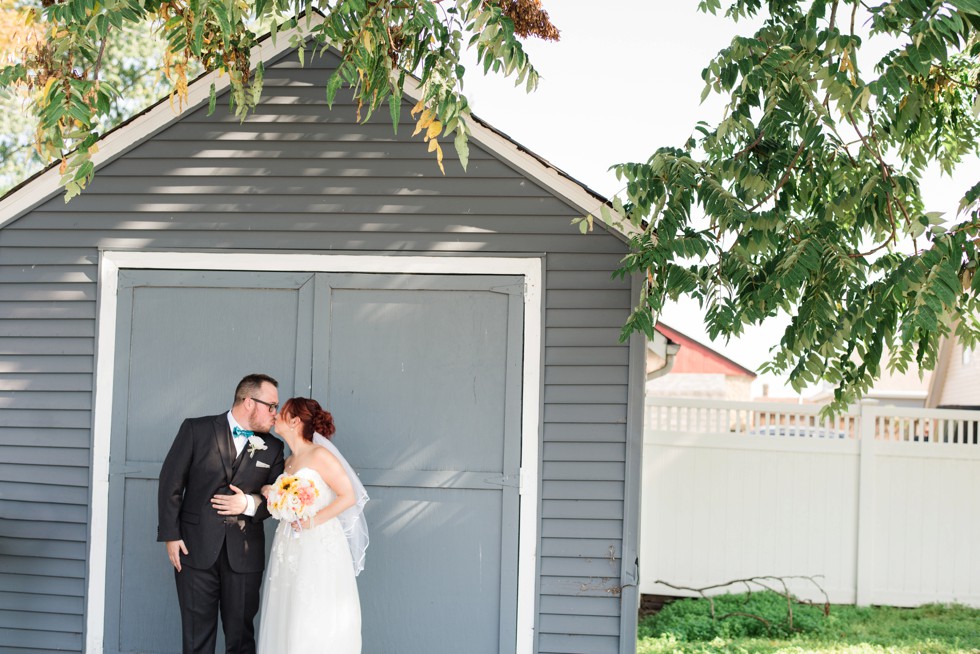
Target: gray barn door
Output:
[(423, 376), (183, 341)]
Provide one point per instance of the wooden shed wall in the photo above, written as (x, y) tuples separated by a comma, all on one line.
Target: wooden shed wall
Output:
[(295, 177)]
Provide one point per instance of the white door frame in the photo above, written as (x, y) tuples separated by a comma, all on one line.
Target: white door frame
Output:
[(111, 262)]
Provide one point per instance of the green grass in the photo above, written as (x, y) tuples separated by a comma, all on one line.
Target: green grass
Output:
[(686, 627)]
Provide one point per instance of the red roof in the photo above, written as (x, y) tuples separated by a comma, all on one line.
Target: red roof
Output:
[(694, 357)]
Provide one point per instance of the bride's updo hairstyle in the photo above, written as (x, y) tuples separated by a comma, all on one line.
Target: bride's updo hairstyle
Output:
[(312, 417)]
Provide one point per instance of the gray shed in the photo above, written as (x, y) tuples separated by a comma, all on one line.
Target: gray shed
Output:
[(460, 329)]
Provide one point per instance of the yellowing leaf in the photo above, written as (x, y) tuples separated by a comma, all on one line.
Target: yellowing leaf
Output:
[(434, 145), (47, 86), (434, 128), (424, 120)]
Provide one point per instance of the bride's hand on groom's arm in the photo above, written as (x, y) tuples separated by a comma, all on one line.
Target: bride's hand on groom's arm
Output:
[(174, 549)]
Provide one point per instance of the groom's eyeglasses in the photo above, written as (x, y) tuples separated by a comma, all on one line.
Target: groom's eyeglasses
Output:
[(272, 407)]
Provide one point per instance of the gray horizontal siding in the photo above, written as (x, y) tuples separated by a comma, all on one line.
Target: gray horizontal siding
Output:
[(40, 437), (45, 311), (581, 547), (575, 394), (60, 274), (29, 419), (43, 512), (51, 639), (46, 531), (296, 178), (278, 237), (421, 206), (577, 644), (590, 509), (572, 470), (40, 257), (40, 603), (586, 625), (46, 345), (35, 292), (47, 400), (47, 456), (577, 528), (610, 375), (403, 170), (614, 433), (47, 328), (591, 452), (56, 550)]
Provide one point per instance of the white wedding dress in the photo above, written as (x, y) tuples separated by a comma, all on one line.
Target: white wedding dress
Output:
[(309, 597)]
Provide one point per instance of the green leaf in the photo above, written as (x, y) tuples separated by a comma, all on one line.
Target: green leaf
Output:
[(968, 6), (461, 145)]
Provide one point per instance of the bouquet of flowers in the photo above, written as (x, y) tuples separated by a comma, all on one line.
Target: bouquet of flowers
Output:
[(291, 498)]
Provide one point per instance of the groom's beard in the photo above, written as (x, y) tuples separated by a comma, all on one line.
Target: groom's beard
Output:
[(261, 419)]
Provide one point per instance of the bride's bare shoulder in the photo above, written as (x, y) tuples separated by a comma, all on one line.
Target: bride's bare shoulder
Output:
[(325, 457)]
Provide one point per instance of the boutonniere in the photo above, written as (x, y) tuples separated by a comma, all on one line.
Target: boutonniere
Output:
[(255, 443)]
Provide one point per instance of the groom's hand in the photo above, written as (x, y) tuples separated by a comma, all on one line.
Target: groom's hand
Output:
[(174, 548), (230, 504)]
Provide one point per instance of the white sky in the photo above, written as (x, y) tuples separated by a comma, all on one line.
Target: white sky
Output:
[(624, 79)]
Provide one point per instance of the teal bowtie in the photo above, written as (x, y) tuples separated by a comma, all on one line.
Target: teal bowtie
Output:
[(244, 433)]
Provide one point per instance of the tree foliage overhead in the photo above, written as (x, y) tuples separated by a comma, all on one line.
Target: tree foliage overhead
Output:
[(805, 197), (133, 65), (57, 58)]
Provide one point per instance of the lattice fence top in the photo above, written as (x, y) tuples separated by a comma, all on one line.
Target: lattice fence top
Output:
[(777, 420)]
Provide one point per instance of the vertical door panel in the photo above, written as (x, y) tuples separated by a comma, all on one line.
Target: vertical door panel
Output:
[(184, 339), (422, 374)]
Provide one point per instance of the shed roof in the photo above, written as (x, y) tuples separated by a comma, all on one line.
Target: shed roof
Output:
[(47, 182)]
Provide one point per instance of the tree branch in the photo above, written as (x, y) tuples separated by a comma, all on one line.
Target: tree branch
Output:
[(789, 171), (762, 582), (751, 145), (98, 60)]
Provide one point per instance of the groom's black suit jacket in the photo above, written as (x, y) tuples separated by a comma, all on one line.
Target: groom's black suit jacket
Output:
[(202, 463)]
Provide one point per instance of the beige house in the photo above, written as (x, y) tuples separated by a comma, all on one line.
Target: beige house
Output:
[(956, 381)]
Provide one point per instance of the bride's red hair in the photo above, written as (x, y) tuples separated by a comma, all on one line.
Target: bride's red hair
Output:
[(313, 418)]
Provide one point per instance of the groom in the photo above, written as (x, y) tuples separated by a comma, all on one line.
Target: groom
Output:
[(211, 512)]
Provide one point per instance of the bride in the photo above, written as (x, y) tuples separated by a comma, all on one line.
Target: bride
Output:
[(309, 598)]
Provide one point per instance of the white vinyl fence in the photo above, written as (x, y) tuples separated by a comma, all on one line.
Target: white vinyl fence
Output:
[(881, 505)]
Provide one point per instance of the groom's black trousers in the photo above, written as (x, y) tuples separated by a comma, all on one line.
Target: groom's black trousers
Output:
[(202, 593)]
